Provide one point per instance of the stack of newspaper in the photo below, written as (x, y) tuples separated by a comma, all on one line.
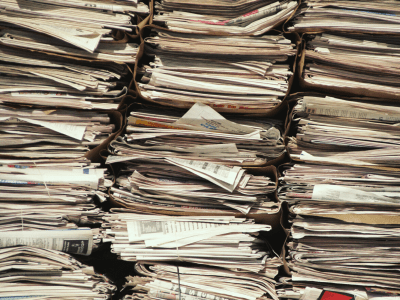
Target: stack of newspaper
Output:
[(347, 16), (51, 133), (80, 241), (195, 162), (334, 130), (227, 242), (49, 197), (339, 61), (344, 200), (346, 225), (174, 188), (233, 73), (44, 203), (63, 67), (200, 134), (66, 53), (46, 274), (164, 281), (249, 17)]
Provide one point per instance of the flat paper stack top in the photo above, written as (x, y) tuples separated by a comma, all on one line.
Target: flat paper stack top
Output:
[(347, 16), (231, 74), (360, 134), (64, 54), (226, 242), (249, 17), (163, 281), (338, 61), (47, 274)]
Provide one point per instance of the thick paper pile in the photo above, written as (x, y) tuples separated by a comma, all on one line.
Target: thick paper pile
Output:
[(346, 228), (200, 134), (66, 54), (43, 204), (164, 281), (40, 198), (370, 62), (193, 162), (361, 16), (249, 17), (171, 188), (45, 274), (227, 242), (51, 133), (238, 74), (356, 133)]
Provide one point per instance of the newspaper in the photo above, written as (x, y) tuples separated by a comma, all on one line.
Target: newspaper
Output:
[(167, 281), (249, 75), (145, 240), (78, 241), (235, 17), (35, 273)]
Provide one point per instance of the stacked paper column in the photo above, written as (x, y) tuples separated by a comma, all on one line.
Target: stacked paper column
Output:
[(342, 187), (195, 190), (64, 73)]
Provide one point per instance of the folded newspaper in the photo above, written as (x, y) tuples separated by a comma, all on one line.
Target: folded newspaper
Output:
[(345, 225), (347, 132), (51, 133), (360, 16), (232, 74), (227, 242), (67, 53), (338, 61), (53, 197), (163, 281), (237, 17), (199, 134), (175, 187), (35, 273)]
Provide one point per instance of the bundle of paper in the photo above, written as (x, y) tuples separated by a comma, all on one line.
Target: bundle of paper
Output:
[(106, 50), (63, 81), (339, 61), (55, 133), (80, 24), (250, 73), (324, 189), (249, 17), (357, 134), (347, 16), (350, 255), (227, 242), (45, 274), (43, 198), (66, 53), (375, 109), (200, 134), (176, 188), (164, 281), (329, 293), (345, 229), (80, 241)]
